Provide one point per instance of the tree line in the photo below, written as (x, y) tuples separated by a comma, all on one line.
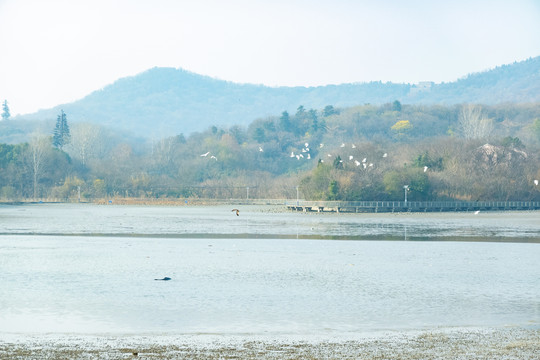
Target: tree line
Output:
[(367, 152)]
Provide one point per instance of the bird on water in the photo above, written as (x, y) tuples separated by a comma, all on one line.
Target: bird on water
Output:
[(237, 212), (164, 279)]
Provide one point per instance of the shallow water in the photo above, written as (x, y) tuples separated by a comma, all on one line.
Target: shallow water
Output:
[(91, 269)]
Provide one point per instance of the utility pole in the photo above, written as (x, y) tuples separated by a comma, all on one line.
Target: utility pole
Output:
[(406, 188)]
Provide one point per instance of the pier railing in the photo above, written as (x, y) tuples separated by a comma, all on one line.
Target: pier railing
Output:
[(410, 206)]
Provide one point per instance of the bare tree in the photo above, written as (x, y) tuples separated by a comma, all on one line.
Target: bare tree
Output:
[(162, 151), (38, 147), (473, 123), (85, 141)]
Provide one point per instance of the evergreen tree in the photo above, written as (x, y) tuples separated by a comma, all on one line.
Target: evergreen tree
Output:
[(285, 121), (329, 110), (5, 111), (61, 134), (338, 163)]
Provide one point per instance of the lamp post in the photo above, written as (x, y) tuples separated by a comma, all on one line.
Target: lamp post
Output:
[(406, 188)]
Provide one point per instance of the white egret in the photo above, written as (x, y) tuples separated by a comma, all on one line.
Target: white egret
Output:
[(353, 146), (357, 162), (425, 168), (321, 145), (364, 160), (213, 157), (306, 144), (292, 154), (260, 149), (385, 155), (205, 154), (308, 156), (342, 145), (350, 157), (535, 182)]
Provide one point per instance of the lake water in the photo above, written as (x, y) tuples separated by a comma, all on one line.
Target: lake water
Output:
[(90, 269)]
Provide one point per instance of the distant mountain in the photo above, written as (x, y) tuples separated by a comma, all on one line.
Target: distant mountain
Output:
[(167, 101)]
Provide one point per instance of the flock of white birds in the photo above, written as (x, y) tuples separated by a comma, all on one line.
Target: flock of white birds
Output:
[(305, 154)]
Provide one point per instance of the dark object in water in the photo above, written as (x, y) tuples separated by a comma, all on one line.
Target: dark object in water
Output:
[(237, 211), (165, 278)]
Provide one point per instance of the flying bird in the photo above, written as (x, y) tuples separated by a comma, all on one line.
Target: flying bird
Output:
[(353, 146), (385, 155), (213, 157), (342, 145), (205, 154), (535, 182), (237, 211)]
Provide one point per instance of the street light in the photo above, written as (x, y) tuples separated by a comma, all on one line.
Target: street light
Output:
[(406, 188)]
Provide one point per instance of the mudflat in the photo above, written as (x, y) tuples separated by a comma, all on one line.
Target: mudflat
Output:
[(506, 343)]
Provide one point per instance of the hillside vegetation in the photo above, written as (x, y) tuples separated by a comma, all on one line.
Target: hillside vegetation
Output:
[(365, 152)]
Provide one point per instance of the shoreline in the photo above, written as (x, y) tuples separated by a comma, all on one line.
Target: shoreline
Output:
[(477, 343)]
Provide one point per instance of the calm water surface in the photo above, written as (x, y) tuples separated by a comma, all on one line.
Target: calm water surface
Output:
[(91, 269)]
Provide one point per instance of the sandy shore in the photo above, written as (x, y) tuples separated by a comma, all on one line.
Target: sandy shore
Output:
[(508, 343)]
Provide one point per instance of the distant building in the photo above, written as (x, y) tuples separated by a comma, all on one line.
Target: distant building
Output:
[(422, 86)]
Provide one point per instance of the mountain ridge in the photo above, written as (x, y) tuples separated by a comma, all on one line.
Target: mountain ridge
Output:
[(164, 101)]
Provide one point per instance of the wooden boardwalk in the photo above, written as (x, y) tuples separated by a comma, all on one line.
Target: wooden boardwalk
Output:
[(409, 206)]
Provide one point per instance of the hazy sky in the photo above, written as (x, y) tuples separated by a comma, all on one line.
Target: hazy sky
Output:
[(58, 51)]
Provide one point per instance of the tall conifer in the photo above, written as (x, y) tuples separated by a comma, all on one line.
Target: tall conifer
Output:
[(61, 134), (5, 111)]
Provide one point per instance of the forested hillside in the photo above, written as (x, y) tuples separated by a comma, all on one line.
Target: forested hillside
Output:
[(164, 101), (365, 152)]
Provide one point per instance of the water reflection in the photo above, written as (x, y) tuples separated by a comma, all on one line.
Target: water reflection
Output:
[(260, 222)]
